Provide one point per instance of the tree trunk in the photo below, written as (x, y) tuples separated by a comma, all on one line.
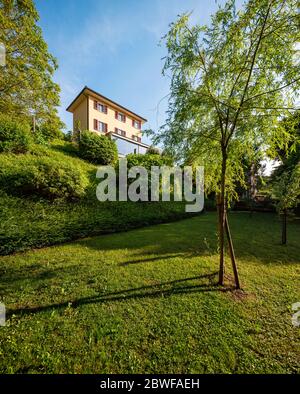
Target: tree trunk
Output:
[(283, 234), (232, 255), (221, 217)]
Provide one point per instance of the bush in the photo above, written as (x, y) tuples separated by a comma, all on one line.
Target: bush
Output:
[(147, 161), (27, 223), (97, 149), (152, 150), (50, 131), (46, 177), (15, 135), (53, 172)]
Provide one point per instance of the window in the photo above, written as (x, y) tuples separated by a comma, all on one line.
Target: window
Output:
[(100, 107), (136, 123), (100, 126), (119, 116), (120, 132), (136, 138)]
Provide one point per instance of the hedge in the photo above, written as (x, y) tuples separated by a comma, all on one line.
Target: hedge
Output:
[(97, 149)]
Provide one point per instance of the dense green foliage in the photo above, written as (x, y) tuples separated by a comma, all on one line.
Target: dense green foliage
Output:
[(286, 188), (97, 148), (15, 135), (26, 85), (45, 177), (285, 180), (49, 131), (27, 223), (146, 301), (148, 160), (55, 172)]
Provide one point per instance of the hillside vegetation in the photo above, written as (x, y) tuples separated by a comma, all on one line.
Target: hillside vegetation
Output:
[(48, 196)]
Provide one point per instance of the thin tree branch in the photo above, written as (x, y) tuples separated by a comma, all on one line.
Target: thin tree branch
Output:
[(250, 73), (273, 90)]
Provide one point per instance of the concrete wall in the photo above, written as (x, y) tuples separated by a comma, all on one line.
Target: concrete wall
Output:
[(80, 114)]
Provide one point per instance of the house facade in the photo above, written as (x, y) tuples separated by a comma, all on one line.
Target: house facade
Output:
[(97, 113)]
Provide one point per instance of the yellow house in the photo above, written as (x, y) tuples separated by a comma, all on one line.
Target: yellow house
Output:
[(95, 112)]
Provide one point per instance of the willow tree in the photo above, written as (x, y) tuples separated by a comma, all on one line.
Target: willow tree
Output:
[(231, 83)]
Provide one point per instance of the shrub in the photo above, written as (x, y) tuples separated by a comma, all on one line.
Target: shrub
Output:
[(152, 150), (97, 148), (50, 131), (26, 223), (46, 177), (147, 160), (14, 135)]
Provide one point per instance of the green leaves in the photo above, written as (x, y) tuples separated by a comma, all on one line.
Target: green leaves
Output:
[(14, 135), (26, 85), (231, 84), (97, 148)]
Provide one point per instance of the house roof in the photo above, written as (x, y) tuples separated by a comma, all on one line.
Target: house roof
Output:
[(87, 90)]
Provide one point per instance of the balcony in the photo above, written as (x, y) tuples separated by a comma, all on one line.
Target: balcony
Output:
[(128, 145)]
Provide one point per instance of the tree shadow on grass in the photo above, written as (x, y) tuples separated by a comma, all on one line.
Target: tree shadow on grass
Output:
[(254, 238), (153, 259), (163, 289)]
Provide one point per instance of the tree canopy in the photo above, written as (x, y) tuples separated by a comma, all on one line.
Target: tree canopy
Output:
[(285, 180), (231, 83), (26, 85)]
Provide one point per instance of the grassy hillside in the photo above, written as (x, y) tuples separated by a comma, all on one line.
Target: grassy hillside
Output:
[(147, 301), (29, 221)]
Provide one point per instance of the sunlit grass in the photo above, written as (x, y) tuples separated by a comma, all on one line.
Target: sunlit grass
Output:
[(147, 301)]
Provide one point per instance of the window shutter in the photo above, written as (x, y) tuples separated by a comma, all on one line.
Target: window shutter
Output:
[(140, 125), (105, 127), (124, 118), (95, 124), (105, 109), (132, 122), (116, 114), (95, 104)]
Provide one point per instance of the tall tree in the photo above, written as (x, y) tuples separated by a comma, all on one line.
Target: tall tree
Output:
[(231, 82), (286, 191), (26, 85), (285, 180)]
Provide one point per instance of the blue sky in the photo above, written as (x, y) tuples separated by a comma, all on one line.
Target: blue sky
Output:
[(112, 46)]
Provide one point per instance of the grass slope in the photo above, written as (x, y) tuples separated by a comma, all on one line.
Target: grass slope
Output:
[(31, 222), (146, 301)]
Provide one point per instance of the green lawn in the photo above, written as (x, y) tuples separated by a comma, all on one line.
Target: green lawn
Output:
[(147, 301)]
